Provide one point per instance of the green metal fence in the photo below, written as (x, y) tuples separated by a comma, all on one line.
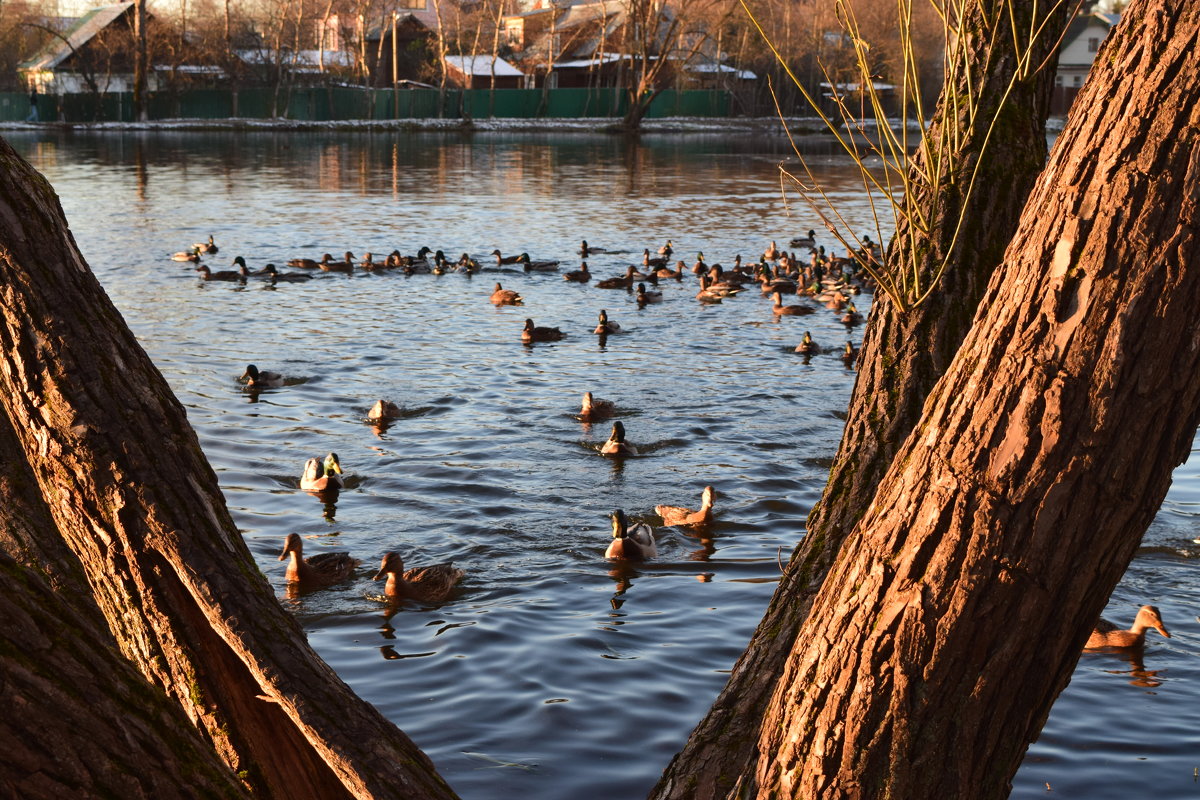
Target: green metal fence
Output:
[(348, 103)]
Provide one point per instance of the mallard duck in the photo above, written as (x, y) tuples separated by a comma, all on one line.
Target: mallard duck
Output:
[(616, 444), (502, 259), (667, 272), (322, 569), (253, 376), (467, 264), (807, 346), (849, 354), (594, 409), (536, 266), (369, 263), (432, 584), (305, 263), (605, 326), (275, 275), (586, 250), (677, 515), (321, 477), (505, 297), (771, 253), (630, 544), (647, 261), (580, 275), (208, 248), (534, 334), (187, 255), (1106, 634), (707, 295), (645, 298), (809, 241), (780, 310), (345, 265), (667, 249), (207, 274), (625, 282), (384, 409), (707, 284), (851, 317)]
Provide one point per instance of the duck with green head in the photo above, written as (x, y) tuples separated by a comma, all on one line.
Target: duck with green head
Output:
[(616, 444), (322, 476), (634, 543)]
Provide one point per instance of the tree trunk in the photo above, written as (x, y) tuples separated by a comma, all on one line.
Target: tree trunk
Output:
[(958, 607), (903, 355), (129, 493)]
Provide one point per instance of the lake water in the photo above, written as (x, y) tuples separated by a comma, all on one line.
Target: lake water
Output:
[(554, 674)]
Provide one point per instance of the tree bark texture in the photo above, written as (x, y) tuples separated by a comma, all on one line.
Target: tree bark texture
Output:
[(903, 355), (959, 605), (129, 493)]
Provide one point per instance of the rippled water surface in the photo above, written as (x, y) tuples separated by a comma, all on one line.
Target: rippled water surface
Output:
[(554, 674)]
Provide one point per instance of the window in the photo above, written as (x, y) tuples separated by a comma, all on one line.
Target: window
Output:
[(1058, 80), (1078, 81), (1093, 44)]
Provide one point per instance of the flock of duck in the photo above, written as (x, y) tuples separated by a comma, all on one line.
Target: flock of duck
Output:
[(831, 280)]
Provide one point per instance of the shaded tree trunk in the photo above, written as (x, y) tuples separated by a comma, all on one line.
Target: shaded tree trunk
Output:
[(128, 492), (903, 355), (959, 605)]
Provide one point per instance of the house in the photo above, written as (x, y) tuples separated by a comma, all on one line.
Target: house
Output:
[(476, 72), (97, 47), (1081, 42)]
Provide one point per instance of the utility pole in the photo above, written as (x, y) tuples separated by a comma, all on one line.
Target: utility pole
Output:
[(139, 66)]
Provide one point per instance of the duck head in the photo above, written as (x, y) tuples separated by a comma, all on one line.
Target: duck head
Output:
[(238, 261), (618, 432), (620, 525), (293, 543), (424, 251), (332, 466), (250, 375), (1148, 617), (603, 317), (392, 562)]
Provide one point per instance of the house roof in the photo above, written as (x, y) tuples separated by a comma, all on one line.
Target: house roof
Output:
[(482, 65), (75, 36), (743, 74)]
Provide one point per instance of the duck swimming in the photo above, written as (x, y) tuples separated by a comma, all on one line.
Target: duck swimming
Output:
[(322, 476), (534, 334), (1106, 634), (646, 298), (384, 409), (580, 275), (678, 515), (606, 327), (192, 255), (253, 376), (505, 297), (345, 265), (616, 444), (849, 355), (594, 409), (780, 310), (536, 266), (432, 584), (322, 569), (502, 259), (207, 274), (275, 275), (807, 346), (631, 544), (209, 247)]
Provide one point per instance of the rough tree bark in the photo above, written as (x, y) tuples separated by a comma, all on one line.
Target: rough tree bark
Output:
[(903, 355), (959, 605), (128, 492)]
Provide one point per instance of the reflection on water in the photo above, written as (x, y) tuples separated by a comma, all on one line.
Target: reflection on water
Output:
[(555, 673)]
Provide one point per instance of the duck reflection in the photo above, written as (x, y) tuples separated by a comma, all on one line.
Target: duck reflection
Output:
[(1138, 674)]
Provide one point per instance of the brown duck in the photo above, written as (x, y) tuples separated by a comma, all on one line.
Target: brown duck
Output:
[(322, 569), (432, 584), (1106, 634)]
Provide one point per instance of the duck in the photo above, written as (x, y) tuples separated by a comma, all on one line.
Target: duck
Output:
[(771, 253), (580, 275), (275, 275), (707, 295), (630, 544), (467, 264), (505, 297), (323, 569), (502, 259), (807, 346), (369, 263), (586, 249), (667, 272), (851, 317), (667, 249), (257, 378), (849, 354), (645, 298), (537, 266), (677, 515), (625, 282), (322, 476), (648, 261), (595, 409), (305, 263), (192, 255), (208, 248), (780, 310), (432, 584), (809, 241), (329, 265), (616, 444), (207, 274), (384, 409), (605, 326), (534, 334), (1106, 634), (720, 289)]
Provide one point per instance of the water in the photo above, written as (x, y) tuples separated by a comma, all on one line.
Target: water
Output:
[(554, 674)]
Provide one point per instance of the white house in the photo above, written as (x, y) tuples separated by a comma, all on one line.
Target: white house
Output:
[(1080, 45)]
